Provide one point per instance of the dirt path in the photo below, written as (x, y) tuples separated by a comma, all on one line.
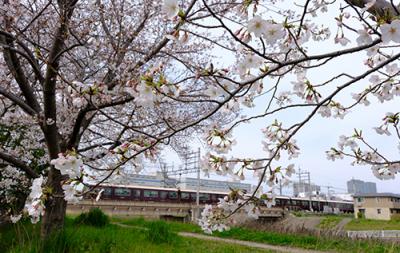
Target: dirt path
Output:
[(293, 223), (342, 223), (235, 241), (248, 243)]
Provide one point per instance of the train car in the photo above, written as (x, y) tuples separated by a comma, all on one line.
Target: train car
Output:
[(317, 205), (156, 194), (175, 195)]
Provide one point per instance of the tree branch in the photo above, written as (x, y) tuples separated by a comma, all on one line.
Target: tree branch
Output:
[(15, 67), (381, 8), (24, 106), (17, 163)]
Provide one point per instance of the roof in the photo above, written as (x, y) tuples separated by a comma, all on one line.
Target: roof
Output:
[(382, 194)]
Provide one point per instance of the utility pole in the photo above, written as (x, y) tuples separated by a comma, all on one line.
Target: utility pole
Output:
[(198, 182), (329, 192), (309, 189), (191, 165), (305, 176)]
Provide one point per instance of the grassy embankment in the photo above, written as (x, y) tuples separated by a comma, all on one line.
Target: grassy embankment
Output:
[(330, 222), (311, 214), (366, 224), (284, 239), (24, 237)]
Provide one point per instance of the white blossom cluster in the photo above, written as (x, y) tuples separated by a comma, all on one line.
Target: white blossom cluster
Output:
[(382, 167), (214, 218), (71, 166), (277, 139), (34, 203), (220, 141), (211, 220), (13, 184)]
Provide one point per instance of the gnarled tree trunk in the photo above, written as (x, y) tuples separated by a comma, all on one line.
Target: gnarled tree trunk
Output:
[(53, 219)]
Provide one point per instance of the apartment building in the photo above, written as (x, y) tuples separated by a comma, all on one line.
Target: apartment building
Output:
[(378, 206)]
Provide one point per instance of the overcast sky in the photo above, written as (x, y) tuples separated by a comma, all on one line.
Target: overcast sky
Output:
[(322, 133)]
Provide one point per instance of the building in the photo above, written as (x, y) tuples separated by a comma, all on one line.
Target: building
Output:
[(379, 206), (356, 186), (304, 189), (149, 180), (342, 197), (185, 183), (212, 185)]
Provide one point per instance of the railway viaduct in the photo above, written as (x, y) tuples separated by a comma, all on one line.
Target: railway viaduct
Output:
[(155, 210)]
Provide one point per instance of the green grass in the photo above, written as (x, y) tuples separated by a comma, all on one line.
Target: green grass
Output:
[(309, 241), (284, 239), (329, 222), (23, 238), (160, 232), (366, 224), (310, 214), (174, 226)]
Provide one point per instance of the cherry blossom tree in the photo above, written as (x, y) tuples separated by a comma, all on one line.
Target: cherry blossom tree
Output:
[(90, 90)]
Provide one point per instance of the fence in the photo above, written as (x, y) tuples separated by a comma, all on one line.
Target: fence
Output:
[(374, 234)]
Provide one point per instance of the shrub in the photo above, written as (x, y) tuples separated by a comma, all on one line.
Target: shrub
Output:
[(160, 232), (95, 217), (360, 215)]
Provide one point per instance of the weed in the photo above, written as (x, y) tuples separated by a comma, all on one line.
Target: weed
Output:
[(159, 232), (95, 217)]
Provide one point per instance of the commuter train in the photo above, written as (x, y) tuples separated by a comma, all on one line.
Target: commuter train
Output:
[(174, 195)]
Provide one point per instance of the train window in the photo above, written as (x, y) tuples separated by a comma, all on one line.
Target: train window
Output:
[(136, 193), (185, 195), (150, 194), (204, 196), (122, 192), (172, 195), (163, 194), (214, 197), (193, 195), (107, 191)]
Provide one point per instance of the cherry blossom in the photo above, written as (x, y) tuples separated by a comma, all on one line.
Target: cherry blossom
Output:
[(16, 218), (70, 193), (34, 204), (68, 165), (170, 8), (363, 37), (391, 32), (258, 26), (274, 33)]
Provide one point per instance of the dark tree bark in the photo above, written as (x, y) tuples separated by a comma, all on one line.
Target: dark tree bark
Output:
[(53, 219)]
